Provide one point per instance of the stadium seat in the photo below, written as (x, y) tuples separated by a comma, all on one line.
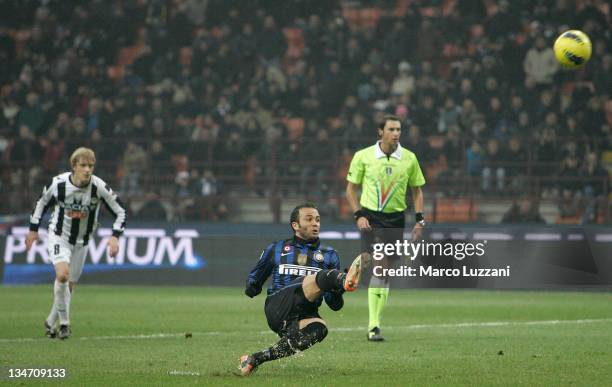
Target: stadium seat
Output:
[(455, 211), (576, 219)]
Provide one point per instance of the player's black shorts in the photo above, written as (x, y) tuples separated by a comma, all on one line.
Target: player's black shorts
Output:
[(285, 308), (386, 228)]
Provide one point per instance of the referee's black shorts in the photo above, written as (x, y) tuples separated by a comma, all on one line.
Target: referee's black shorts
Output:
[(285, 308), (386, 228)]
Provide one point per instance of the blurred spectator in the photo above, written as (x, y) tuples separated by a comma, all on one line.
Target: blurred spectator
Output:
[(404, 82), (569, 176), (493, 170), (416, 144), (184, 196), (515, 159), (152, 209), (189, 74), (161, 163), (272, 44), (524, 210), (474, 157), (596, 178), (449, 115), (316, 176), (31, 115), (596, 186), (540, 63), (210, 201), (134, 164), (569, 204), (26, 150), (53, 150)]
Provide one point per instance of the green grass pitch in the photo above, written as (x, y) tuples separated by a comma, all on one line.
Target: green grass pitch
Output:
[(136, 336)]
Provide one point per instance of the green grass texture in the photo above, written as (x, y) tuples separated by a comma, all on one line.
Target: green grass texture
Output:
[(152, 336)]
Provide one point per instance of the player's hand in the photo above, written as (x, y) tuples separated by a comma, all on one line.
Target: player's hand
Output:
[(251, 290), (363, 223), (417, 232), (31, 239), (113, 246)]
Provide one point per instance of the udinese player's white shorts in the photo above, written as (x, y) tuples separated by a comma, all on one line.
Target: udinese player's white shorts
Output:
[(61, 251)]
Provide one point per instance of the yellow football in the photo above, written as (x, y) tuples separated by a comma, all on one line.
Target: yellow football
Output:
[(572, 48)]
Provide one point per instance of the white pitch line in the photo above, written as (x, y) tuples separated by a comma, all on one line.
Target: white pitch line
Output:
[(339, 329)]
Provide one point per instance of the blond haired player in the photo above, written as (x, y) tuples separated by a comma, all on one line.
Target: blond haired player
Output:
[(75, 199)]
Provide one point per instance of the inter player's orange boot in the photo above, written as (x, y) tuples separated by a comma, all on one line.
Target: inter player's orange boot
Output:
[(353, 275), (246, 366)]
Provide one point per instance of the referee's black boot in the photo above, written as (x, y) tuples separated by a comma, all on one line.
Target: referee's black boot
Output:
[(375, 335)]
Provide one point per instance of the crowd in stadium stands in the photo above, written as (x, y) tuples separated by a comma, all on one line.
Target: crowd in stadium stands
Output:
[(200, 101)]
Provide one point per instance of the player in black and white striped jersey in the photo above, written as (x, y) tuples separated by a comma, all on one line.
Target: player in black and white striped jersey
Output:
[(75, 198)]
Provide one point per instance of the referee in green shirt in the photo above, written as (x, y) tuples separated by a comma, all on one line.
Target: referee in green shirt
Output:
[(384, 171)]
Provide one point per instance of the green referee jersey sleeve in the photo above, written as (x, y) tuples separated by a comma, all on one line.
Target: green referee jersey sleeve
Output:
[(384, 180)]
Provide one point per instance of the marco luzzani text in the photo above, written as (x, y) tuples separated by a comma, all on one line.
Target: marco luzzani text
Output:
[(412, 250)]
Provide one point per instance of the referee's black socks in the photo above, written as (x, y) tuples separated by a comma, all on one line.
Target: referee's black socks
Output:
[(293, 342), (330, 280)]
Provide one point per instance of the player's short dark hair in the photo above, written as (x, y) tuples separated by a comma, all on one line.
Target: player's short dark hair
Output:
[(295, 214), (387, 117)]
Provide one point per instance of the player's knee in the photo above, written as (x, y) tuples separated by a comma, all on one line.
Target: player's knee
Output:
[(320, 331), (61, 276), (311, 334)]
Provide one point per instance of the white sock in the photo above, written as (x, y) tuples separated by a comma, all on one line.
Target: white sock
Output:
[(60, 289), (53, 315), (68, 296)]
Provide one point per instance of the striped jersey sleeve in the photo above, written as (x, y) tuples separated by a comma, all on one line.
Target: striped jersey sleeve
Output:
[(114, 205), (47, 199), (263, 268)]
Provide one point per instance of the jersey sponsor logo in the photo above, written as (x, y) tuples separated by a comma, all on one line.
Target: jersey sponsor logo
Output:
[(298, 270), (76, 210)]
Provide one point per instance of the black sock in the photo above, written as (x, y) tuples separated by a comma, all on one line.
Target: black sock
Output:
[(287, 346), (330, 280), (281, 349)]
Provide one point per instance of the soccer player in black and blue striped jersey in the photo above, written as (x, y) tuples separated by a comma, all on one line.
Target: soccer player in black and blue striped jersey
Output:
[(304, 273)]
